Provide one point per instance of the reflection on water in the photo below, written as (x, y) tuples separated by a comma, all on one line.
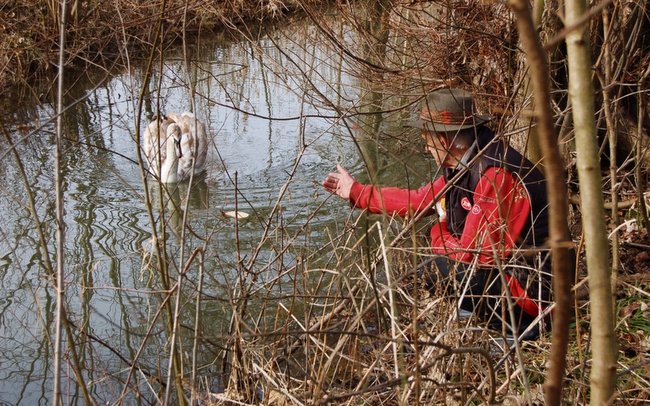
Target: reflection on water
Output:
[(274, 137)]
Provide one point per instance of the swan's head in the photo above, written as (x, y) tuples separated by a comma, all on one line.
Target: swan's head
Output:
[(174, 133)]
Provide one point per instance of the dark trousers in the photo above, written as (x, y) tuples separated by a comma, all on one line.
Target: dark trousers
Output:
[(479, 291)]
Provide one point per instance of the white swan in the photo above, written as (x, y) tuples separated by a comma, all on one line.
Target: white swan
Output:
[(194, 144), (173, 145)]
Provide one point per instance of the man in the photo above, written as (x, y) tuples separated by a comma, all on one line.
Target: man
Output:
[(492, 210)]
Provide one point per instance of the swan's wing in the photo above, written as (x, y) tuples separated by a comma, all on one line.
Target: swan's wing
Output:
[(188, 117), (194, 147), (153, 141), (148, 137), (202, 144), (187, 158)]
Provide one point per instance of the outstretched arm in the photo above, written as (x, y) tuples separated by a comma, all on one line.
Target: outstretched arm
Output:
[(382, 199)]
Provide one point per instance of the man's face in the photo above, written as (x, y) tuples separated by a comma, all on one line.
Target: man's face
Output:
[(438, 148)]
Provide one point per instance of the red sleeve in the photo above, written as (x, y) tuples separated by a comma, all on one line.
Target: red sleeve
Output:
[(394, 200), (494, 223)]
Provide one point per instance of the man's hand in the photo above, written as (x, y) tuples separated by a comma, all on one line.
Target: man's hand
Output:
[(339, 183)]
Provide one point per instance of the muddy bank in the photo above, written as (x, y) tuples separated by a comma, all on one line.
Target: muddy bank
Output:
[(104, 32)]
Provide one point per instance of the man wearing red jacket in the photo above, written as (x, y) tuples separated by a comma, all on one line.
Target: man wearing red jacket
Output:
[(492, 207)]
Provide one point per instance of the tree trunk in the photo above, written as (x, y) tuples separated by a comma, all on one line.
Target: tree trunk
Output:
[(581, 93), (560, 238)]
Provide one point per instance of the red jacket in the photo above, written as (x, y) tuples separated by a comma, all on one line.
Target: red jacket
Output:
[(493, 224)]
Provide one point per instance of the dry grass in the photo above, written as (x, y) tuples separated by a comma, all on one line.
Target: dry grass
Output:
[(373, 336)]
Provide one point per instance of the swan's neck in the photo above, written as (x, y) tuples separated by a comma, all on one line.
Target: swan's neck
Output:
[(169, 169)]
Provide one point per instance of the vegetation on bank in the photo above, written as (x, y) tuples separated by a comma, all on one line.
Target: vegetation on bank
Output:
[(374, 337), (102, 33)]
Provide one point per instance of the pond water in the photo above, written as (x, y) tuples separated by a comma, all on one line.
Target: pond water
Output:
[(274, 112)]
